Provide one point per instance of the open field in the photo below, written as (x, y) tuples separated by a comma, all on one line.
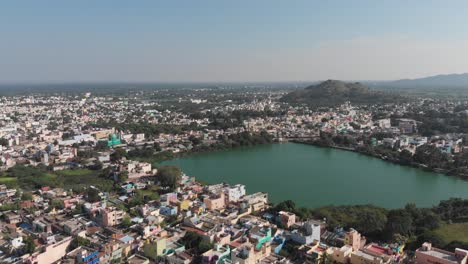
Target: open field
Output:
[(451, 232)]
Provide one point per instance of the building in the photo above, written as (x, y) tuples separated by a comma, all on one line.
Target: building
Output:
[(372, 254), (427, 254), (257, 201), (234, 193), (354, 239), (111, 216), (137, 259), (215, 201), (51, 253), (113, 140), (384, 123), (286, 219), (87, 255), (341, 255), (407, 126), (308, 233)]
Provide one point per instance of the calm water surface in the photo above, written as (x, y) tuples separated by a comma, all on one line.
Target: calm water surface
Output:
[(313, 176)]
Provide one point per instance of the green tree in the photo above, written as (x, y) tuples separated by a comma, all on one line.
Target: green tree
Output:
[(57, 204), (79, 242), (92, 195), (192, 240), (399, 221), (122, 176), (169, 176), (3, 142), (26, 196), (29, 245), (101, 145), (126, 222), (118, 154)]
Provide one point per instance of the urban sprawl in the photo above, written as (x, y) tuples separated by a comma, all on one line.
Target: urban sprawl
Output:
[(81, 182)]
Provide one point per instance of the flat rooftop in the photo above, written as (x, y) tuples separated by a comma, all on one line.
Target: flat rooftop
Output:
[(440, 254)]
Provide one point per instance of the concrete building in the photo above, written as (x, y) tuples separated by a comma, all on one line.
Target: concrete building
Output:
[(234, 193), (111, 216), (427, 254), (407, 126), (286, 219), (341, 255), (308, 233), (51, 253), (215, 201), (354, 239)]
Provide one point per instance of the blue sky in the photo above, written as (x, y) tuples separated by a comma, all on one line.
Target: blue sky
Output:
[(242, 40)]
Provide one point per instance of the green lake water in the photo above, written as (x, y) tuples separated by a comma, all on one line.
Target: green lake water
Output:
[(313, 176)]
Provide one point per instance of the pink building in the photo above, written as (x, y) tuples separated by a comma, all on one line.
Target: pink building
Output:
[(427, 254), (287, 219), (50, 253), (354, 239), (215, 202)]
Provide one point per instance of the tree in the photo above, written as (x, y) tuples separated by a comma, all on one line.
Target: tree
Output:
[(101, 145), (195, 141), (26, 196), (405, 157), (157, 146), (92, 195), (126, 222), (122, 176), (430, 155), (118, 154), (57, 204), (3, 142), (29, 245), (192, 240), (400, 222), (169, 176), (287, 205), (325, 259), (371, 221), (79, 242)]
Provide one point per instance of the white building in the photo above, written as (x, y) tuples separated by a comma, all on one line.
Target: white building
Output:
[(234, 193)]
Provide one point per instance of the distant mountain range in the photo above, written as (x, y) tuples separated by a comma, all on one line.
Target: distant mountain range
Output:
[(431, 82), (332, 92)]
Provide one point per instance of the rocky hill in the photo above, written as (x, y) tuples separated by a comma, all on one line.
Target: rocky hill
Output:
[(332, 92)]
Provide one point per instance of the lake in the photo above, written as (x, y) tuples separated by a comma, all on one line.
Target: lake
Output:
[(313, 176)]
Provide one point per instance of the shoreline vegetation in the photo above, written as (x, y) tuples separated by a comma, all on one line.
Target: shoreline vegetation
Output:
[(443, 224), (402, 159), (411, 225), (234, 141), (265, 139)]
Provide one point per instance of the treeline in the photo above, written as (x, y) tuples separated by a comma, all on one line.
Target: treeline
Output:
[(438, 121), (149, 129), (411, 225), (29, 178), (224, 142), (426, 156), (236, 118)]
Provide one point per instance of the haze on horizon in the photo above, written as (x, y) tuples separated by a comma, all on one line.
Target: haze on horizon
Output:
[(230, 41)]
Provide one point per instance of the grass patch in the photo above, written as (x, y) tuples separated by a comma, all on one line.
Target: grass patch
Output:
[(10, 182), (32, 178), (83, 178), (76, 172), (5, 180), (451, 232)]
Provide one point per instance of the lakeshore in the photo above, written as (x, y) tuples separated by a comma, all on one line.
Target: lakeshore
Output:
[(314, 177)]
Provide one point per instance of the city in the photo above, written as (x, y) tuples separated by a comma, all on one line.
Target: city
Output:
[(81, 180), (234, 132)]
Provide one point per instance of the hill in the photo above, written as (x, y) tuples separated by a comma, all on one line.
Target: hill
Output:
[(332, 92), (430, 82)]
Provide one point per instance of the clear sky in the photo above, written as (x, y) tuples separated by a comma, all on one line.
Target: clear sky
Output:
[(235, 40)]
